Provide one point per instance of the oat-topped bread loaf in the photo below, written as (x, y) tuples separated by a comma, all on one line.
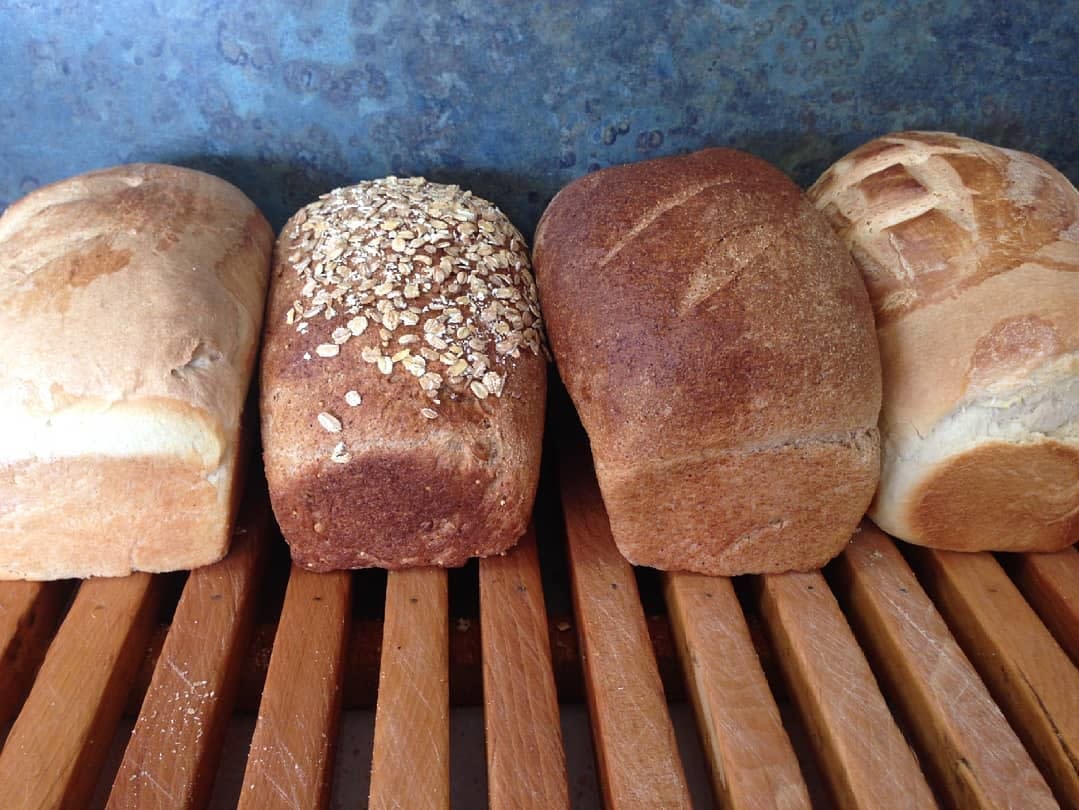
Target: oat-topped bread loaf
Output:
[(130, 308), (971, 256), (403, 378), (718, 344)]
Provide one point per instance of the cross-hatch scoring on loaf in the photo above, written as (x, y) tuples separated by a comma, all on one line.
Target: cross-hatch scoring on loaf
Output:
[(442, 275)]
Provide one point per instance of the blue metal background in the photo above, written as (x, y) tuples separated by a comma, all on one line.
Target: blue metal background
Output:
[(514, 98)]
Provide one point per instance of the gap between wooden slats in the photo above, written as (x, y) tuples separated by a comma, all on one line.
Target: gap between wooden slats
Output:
[(56, 747), (1028, 674), (526, 763), (862, 754), (965, 742), (636, 750), (292, 748), (171, 759), (752, 763), (1050, 583), (29, 613), (411, 758)]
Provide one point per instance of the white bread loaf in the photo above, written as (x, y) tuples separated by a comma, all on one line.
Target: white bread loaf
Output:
[(970, 254), (130, 306)]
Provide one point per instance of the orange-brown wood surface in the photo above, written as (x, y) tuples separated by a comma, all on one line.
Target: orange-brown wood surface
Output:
[(1028, 674), (862, 754), (965, 742), (1050, 583), (411, 758), (186, 709), (29, 612), (526, 763), (636, 750), (750, 756), (59, 741), (291, 758)]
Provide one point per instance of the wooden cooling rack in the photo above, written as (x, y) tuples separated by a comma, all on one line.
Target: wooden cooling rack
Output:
[(915, 676)]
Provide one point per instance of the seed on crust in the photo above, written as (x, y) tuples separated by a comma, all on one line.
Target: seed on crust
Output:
[(441, 274), (492, 381), (329, 422), (353, 398), (416, 366)]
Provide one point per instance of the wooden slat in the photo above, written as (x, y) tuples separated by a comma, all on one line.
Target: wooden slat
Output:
[(750, 756), (411, 758), (1027, 672), (187, 706), (526, 763), (29, 612), (1050, 583), (863, 756), (55, 749), (636, 750), (291, 758), (965, 742)]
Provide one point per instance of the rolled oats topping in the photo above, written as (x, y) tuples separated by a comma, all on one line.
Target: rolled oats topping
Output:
[(434, 282)]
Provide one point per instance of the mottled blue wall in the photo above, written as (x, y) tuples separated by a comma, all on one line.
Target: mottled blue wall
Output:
[(512, 98)]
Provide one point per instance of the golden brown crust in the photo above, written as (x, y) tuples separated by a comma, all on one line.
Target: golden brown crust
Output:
[(970, 254), (735, 511), (130, 306), (699, 304), (107, 517), (1003, 497), (395, 487), (919, 211)]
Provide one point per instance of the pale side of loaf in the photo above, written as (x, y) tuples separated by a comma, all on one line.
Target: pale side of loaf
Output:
[(970, 253), (718, 344), (403, 379), (130, 308)]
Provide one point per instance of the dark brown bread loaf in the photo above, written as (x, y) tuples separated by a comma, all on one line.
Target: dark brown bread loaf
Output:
[(131, 304), (718, 343), (971, 257), (403, 379)]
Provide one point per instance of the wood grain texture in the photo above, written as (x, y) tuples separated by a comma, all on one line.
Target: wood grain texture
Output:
[(1050, 583), (526, 762), (292, 749), (187, 707), (752, 763), (410, 765), (1028, 674), (57, 745), (966, 744), (863, 756), (29, 613), (636, 751)]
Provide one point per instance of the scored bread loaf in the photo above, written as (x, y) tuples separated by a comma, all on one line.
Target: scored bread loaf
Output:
[(403, 379), (718, 344), (971, 256), (130, 307)]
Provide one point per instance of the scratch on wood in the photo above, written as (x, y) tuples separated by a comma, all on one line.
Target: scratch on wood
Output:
[(149, 778), (181, 674)]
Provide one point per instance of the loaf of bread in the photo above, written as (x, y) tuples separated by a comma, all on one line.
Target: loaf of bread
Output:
[(130, 308), (718, 344), (970, 254), (403, 379)]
